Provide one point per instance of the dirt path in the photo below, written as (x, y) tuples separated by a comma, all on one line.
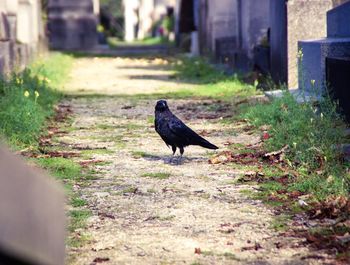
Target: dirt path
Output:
[(146, 210)]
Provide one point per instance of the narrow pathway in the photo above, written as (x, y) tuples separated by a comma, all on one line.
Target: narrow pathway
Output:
[(146, 210)]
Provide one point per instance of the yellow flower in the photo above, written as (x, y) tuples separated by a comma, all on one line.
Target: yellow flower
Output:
[(19, 81), (300, 54), (36, 94), (313, 82), (26, 93)]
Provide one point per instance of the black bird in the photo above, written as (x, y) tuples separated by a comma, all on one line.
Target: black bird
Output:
[(174, 132)]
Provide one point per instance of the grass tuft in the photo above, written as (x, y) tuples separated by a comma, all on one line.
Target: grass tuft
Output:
[(312, 134), (158, 175)]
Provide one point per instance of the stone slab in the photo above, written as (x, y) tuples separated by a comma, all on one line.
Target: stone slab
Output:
[(33, 219), (338, 22), (313, 64)]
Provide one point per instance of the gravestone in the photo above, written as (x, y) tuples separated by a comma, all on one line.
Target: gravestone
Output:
[(338, 80), (315, 52), (32, 216), (72, 24)]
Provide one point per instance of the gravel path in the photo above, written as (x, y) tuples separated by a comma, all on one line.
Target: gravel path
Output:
[(146, 210)]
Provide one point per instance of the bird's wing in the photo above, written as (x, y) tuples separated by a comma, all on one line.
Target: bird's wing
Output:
[(179, 129), (186, 135)]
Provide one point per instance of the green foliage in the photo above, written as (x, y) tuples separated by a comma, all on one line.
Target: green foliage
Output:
[(78, 219), (208, 82), (114, 42), (197, 69), (27, 99), (114, 6), (61, 168), (312, 134)]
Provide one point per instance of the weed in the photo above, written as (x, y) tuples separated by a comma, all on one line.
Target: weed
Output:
[(27, 99), (62, 168), (78, 202), (78, 219), (158, 175), (140, 154)]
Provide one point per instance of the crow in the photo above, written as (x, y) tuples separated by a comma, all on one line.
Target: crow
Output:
[(174, 132)]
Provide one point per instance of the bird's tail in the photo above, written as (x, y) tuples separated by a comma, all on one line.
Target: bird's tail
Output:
[(204, 143)]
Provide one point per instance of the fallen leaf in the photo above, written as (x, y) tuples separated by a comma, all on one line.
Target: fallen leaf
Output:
[(255, 247), (100, 260), (106, 215)]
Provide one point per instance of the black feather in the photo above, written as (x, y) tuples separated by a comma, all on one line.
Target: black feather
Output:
[(174, 132)]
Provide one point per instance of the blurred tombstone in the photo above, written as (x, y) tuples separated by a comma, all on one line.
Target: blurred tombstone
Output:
[(131, 9), (72, 25), (32, 216)]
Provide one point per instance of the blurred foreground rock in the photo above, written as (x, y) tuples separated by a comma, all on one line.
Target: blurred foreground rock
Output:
[(32, 216)]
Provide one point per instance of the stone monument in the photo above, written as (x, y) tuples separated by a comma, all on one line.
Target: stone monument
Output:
[(72, 25)]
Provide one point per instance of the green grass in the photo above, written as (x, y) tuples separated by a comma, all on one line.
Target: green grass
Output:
[(78, 202), (27, 99), (210, 82), (158, 175), (312, 134), (117, 43), (78, 219), (140, 154), (61, 168)]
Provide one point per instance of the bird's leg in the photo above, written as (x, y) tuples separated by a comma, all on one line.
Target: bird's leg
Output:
[(174, 151), (181, 153)]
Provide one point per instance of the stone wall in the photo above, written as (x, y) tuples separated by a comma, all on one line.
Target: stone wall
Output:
[(21, 33)]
